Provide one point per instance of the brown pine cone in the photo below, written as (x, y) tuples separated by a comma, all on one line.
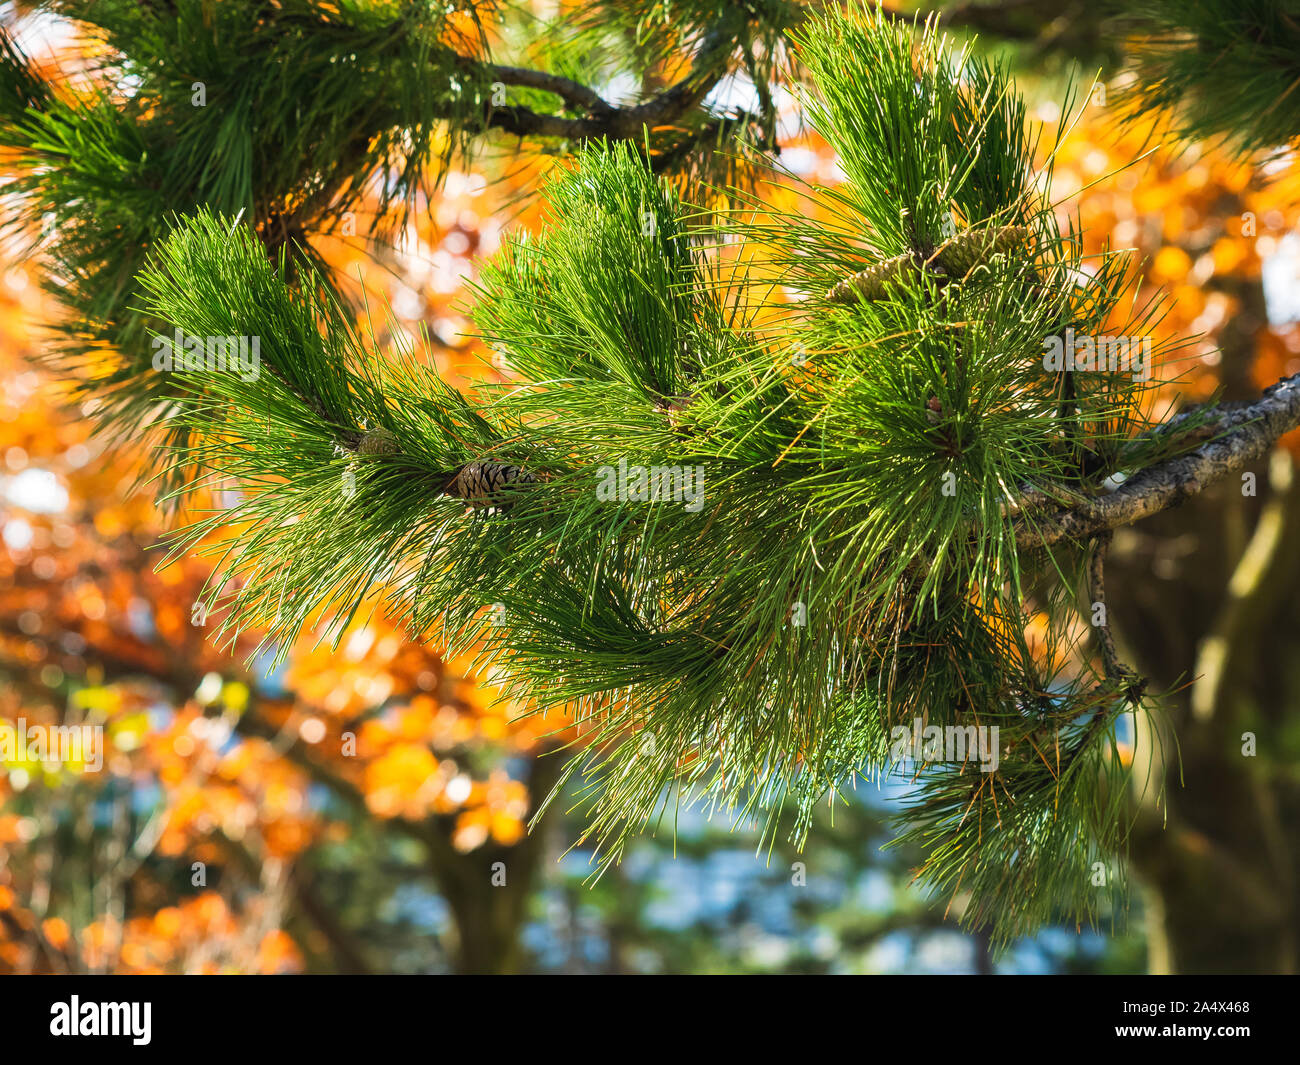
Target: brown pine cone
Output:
[(481, 483)]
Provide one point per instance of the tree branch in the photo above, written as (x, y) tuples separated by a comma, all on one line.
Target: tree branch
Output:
[(1246, 434), (604, 120), (1117, 672), (578, 96)]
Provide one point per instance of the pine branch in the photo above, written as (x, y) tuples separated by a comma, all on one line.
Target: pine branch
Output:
[(579, 96), (1224, 71), (619, 123), (827, 491), (309, 102), (1248, 433), (1117, 673)]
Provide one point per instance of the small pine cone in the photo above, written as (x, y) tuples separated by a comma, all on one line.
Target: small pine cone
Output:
[(869, 284), (480, 483), (963, 252), (934, 410), (378, 442)]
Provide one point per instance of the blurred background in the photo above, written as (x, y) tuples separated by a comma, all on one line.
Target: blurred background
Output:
[(344, 812)]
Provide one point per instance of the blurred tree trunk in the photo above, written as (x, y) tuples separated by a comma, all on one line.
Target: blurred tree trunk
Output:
[(1203, 599), (487, 917), (488, 890)]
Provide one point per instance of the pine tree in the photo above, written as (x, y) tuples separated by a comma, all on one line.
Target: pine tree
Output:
[(756, 545)]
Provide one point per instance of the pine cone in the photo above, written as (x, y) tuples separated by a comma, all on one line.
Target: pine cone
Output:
[(481, 483), (963, 252), (378, 442), (869, 284)]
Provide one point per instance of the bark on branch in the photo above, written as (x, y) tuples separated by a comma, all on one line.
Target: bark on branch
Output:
[(1245, 434), (602, 120), (576, 95)]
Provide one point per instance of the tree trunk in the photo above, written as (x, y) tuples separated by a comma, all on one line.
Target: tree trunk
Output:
[(1203, 601), (488, 890)]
